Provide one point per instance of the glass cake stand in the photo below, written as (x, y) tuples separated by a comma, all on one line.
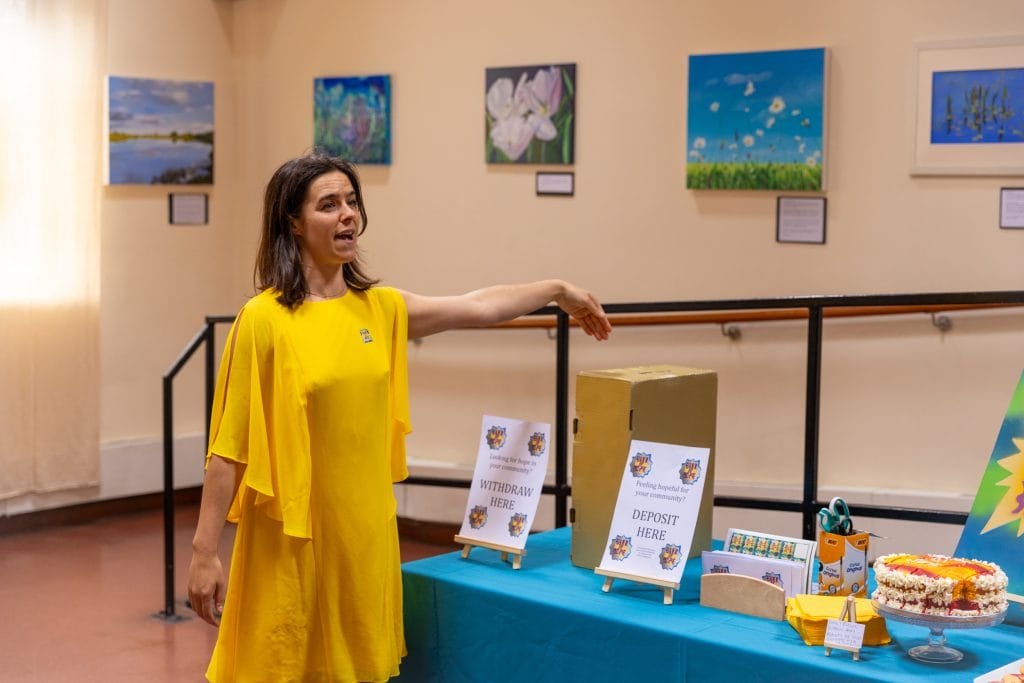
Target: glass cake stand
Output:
[(936, 650)]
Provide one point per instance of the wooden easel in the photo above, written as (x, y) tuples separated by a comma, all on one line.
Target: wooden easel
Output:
[(849, 613), (517, 553), (667, 587)]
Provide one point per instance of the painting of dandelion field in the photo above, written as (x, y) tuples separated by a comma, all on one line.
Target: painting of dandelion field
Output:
[(352, 118), (160, 132), (982, 105), (530, 114), (756, 121)]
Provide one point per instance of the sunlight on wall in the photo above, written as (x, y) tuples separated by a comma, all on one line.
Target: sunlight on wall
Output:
[(49, 199)]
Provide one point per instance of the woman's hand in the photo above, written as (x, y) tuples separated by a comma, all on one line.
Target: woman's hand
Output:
[(585, 309), (206, 586)]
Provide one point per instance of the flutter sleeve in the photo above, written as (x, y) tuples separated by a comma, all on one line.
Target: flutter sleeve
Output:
[(259, 420), (399, 408)]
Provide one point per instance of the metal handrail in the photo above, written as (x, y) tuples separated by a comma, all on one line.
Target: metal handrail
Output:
[(812, 308)]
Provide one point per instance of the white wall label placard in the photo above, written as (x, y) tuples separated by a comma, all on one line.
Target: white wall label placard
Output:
[(656, 511), (511, 462), (800, 219), (1011, 207), (188, 208), (562, 183), (845, 635)]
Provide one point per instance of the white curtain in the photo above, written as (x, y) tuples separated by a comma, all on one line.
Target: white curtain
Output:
[(51, 103)]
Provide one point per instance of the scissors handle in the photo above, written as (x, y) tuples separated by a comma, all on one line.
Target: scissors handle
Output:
[(835, 519)]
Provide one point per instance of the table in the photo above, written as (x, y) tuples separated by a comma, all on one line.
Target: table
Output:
[(476, 620)]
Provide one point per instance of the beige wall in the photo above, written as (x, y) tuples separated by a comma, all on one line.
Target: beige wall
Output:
[(158, 281), (905, 406)]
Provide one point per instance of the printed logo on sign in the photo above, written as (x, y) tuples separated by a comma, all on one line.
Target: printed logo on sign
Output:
[(669, 557), (496, 437), (774, 578), (517, 524), (367, 337), (718, 569), (620, 547), (478, 516), (689, 473), (640, 465), (536, 444)]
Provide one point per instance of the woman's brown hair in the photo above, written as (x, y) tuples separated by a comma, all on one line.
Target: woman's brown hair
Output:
[(279, 259)]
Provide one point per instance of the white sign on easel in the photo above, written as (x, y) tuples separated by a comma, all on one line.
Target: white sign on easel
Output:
[(511, 462), (655, 515)]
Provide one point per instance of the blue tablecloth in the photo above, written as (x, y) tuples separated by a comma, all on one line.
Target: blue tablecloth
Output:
[(477, 620)]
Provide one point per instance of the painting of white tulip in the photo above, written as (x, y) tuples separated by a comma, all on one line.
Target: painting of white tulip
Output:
[(756, 121), (530, 114)]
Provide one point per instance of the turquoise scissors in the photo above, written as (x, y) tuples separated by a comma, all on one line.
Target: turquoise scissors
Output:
[(835, 519)]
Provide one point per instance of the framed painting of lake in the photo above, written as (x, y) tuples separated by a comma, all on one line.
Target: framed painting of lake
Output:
[(160, 132), (967, 107), (757, 121), (352, 118), (530, 114)]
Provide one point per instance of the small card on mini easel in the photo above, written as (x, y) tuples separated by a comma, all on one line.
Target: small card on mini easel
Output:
[(512, 460), (655, 515), (845, 633)]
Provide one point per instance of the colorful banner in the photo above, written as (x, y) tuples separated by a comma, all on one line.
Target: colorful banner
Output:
[(656, 511), (511, 462), (995, 527)]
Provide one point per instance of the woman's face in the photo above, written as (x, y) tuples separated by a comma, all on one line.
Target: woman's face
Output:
[(329, 223)]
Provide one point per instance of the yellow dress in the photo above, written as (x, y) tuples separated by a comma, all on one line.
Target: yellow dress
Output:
[(314, 401)]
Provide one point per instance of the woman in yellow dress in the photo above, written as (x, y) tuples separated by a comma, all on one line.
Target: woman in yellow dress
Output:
[(307, 436)]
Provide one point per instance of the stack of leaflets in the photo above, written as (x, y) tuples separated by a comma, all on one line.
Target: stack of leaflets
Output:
[(780, 560)]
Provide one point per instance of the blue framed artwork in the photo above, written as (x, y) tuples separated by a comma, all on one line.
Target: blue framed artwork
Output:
[(967, 107), (160, 132), (757, 120), (977, 106), (352, 118), (530, 114)]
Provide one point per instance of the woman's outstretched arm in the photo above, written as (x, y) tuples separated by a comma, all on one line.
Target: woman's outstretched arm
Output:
[(490, 305)]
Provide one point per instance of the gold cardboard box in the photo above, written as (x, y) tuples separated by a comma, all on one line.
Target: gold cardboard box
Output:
[(662, 403)]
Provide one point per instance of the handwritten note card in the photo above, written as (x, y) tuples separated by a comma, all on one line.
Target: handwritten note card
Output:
[(846, 635), (511, 462)]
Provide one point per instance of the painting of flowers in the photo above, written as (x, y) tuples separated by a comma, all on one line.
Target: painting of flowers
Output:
[(352, 118), (160, 132), (756, 121), (530, 114), (977, 106)]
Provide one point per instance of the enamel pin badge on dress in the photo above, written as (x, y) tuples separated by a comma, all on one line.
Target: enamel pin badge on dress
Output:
[(367, 337)]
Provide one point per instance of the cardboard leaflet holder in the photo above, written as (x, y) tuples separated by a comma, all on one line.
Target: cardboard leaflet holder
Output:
[(661, 403)]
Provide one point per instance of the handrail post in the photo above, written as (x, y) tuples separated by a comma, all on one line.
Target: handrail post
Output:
[(204, 335), (561, 419), (168, 400), (211, 360), (811, 419)]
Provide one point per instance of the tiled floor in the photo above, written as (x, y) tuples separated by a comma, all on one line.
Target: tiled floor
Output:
[(78, 603)]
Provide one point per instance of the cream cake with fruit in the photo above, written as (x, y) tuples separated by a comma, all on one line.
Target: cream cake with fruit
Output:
[(940, 585)]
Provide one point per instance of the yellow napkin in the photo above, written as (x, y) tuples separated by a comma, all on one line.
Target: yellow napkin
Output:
[(809, 615)]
